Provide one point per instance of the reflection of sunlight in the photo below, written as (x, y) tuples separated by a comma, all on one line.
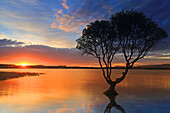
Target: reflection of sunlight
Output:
[(59, 90)]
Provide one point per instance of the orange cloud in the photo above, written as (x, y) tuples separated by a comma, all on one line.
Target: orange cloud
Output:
[(60, 11), (53, 25), (39, 54), (64, 4), (70, 22)]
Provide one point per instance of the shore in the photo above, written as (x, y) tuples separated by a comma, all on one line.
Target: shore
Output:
[(10, 75)]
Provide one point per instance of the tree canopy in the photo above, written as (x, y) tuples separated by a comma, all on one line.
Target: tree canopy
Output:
[(137, 34)]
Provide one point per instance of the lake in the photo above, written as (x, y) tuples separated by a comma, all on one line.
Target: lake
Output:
[(81, 91)]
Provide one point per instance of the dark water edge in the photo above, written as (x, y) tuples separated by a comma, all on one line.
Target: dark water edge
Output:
[(10, 75)]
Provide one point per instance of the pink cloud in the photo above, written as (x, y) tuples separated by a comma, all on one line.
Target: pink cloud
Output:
[(39, 54)]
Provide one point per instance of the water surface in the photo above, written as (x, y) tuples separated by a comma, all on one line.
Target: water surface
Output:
[(81, 91)]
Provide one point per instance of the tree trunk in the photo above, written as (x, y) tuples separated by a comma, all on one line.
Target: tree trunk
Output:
[(111, 90)]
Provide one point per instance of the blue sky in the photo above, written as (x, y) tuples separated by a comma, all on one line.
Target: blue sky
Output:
[(58, 23)]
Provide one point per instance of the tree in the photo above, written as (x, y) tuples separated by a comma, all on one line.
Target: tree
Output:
[(99, 40), (137, 35), (131, 32)]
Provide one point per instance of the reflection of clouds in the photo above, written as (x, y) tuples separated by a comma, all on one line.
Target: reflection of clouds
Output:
[(146, 78), (58, 90), (65, 110)]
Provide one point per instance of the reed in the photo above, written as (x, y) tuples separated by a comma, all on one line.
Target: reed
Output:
[(10, 75)]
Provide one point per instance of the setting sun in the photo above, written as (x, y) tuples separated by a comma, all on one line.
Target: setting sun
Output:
[(23, 65)]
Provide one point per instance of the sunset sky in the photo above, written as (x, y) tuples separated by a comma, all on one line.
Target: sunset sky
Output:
[(44, 31)]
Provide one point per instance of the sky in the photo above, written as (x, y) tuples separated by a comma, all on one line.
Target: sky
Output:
[(44, 31)]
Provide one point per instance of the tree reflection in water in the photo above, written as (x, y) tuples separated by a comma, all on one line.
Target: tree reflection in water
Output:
[(113, 103)]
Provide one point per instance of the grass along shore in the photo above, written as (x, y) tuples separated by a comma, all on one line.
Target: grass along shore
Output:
[(10, 75)]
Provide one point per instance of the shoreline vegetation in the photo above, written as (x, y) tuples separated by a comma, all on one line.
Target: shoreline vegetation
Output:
[(152, 67), (10, 75)]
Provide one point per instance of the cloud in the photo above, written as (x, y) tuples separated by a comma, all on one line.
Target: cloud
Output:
[(23, 3), (33, 28), (12, 52), (35, 2), (90, 10), (30, 20), (10, 43), (64, 4), (60, 11), (77, 19), (69, 22), (94, 9), (40, 54)]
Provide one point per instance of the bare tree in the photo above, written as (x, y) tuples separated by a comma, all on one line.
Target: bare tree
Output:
[(130, 31)]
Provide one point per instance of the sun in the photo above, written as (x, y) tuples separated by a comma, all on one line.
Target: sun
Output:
[(24, 65)]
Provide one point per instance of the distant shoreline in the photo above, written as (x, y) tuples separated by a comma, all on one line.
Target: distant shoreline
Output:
[(148, 67), (80, 68)]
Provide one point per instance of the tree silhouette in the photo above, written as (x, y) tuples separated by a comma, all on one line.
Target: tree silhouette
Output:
[(131, 32), (99, 40)]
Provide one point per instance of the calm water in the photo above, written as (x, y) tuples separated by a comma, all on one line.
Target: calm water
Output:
[(81, 91)]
